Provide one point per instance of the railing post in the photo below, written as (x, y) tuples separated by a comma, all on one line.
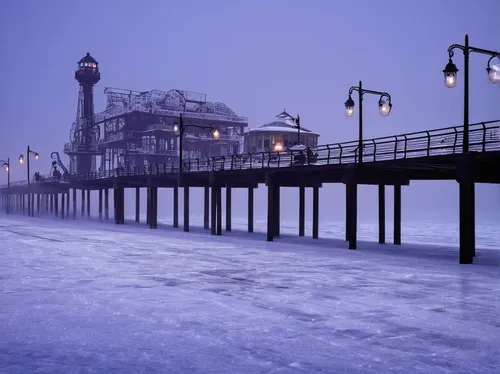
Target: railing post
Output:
[(428, 143), (484, 136), (340, 154), (406, 146), (374, 150), (455, 140)]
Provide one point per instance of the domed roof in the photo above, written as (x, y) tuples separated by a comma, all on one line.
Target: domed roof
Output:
[(284, 123), (88, 58)]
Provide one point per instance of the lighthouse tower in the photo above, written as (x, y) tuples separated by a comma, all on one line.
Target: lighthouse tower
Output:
[(85, 134)]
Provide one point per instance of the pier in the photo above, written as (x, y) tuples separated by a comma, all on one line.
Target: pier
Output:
[(390, 163)]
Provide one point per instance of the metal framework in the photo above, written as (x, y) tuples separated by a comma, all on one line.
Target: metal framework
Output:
[(136, 128)]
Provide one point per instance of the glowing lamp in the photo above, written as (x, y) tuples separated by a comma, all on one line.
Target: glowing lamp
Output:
[(450, 74), (384, 107), (349, 107)]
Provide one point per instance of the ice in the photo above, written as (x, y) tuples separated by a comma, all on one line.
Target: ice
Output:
[(97, 297)]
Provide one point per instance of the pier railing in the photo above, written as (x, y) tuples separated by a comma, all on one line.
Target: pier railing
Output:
[(483, 137)]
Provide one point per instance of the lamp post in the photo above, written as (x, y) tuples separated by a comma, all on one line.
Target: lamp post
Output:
[(297, 123), (22, 160), (181, 127), (6, 167), (466, 188), (450, 78), (384, 103)]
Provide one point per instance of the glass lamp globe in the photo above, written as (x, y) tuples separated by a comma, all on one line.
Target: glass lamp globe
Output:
[(494, 74), (450, 74), (349, 107), (384, 108)]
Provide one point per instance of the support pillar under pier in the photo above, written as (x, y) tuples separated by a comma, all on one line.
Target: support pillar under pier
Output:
[(153, 207), (219, 210), (315, 223), (347, 212), (100, 203), (137, 203), (62, 205), (397, 214), (381, 213), (186, 209), (271, 206), (302, 210), (206, 207), (228, 208), (213, 211), (148, 207), (353, 214), (88, 203), (277, 219), (250, 209), (466, 222), (176, 207), (74, 203)]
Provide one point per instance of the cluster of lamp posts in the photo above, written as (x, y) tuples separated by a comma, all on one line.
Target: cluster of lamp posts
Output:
[(6, 164), (450, 81)]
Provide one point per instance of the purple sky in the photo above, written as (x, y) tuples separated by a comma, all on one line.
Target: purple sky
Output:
[(256, 56)]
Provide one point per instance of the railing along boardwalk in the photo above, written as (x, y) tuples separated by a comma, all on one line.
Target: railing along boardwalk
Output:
[(483, 137)]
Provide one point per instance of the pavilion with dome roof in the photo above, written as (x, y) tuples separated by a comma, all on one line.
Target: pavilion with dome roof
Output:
[(277, 135)]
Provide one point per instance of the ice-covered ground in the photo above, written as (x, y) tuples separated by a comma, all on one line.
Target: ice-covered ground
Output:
[(105, 298)]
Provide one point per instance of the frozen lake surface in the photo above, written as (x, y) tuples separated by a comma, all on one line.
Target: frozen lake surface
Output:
[(103, 298)]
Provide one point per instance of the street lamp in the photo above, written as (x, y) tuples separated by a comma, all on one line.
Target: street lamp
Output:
[(450, 76), (179, 129), (466, 189), (6, 167), (297, 123), (21, 160), (384, 105)]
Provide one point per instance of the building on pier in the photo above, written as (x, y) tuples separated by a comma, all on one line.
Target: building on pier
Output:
[(136, 128), (277, 135)]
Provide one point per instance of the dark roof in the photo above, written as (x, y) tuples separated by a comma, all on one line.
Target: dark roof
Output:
[(88, 58)]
